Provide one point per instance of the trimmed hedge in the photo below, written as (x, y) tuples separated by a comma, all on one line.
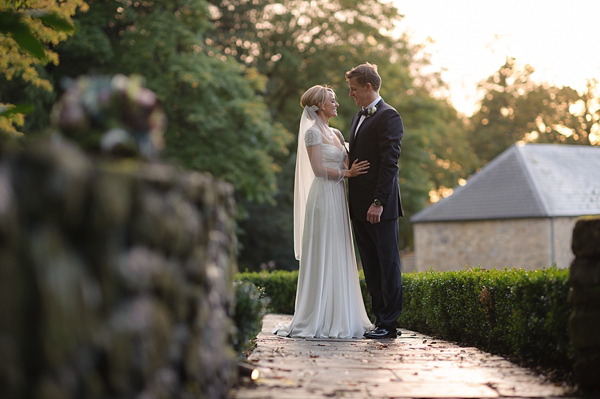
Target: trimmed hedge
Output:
[(279, 286), (516, 313)]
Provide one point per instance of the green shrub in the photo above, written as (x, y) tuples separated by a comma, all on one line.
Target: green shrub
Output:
[(516, 313), (251, 305), (278, 285)]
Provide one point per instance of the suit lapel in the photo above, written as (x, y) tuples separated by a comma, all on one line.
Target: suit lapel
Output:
[(366, 121), (352, 128), (355, 121), (362, 126)]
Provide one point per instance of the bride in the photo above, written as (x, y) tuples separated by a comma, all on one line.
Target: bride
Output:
[(328, 298)]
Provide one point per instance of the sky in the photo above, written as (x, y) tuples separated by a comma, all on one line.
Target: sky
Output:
[(470, 40)]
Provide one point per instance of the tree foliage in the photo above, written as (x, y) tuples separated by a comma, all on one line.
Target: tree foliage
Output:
[(297, 44), (230, 74), (436, 155), (515, 108), (217, 120), (28, 32)]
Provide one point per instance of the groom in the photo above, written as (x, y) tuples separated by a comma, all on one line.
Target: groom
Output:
[(374, 198)]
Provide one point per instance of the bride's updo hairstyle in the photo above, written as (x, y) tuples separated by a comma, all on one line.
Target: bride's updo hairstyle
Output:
[(313, 96)]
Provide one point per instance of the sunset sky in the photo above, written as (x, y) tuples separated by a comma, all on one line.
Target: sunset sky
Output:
[(472, 38)]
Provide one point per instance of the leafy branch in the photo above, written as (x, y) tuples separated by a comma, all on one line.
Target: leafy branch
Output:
[(12, 23)]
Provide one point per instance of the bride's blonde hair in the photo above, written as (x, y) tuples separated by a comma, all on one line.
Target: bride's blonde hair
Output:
[(315, 95)]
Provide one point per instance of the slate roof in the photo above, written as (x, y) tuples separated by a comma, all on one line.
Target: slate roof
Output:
[(526, 181)]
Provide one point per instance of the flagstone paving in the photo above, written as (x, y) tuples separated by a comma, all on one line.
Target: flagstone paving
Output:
[(411, 366)]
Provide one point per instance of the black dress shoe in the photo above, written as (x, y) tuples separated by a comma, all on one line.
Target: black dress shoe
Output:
[(381, 333)]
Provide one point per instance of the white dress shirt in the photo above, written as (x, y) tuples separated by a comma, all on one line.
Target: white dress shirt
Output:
[(363, 117)]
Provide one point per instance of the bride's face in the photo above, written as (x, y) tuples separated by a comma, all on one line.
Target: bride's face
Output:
[(329, 107)]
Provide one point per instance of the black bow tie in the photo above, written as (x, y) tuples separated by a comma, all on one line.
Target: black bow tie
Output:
[(364, 112)]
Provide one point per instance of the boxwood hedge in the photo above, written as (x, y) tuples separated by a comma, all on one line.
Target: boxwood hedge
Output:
[(516, 313)]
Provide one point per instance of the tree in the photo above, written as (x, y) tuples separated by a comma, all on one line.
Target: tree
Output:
[(563, 115), (514, 108), (28, 31), (217, 120), (231, 92), (436, 156), (297, 44)]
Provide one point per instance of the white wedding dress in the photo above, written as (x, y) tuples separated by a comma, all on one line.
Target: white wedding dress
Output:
[(329, 303)]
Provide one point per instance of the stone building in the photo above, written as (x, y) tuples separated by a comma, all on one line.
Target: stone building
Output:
[(518, 211)]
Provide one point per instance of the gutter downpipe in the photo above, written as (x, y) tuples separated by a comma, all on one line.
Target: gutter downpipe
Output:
[(552, 249)]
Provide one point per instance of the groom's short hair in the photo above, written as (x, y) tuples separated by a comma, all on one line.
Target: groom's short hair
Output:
[(365, 73)]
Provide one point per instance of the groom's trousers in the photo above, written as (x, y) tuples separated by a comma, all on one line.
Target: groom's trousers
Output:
[(378, 248)]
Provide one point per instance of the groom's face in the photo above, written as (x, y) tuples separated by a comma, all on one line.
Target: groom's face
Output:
[(360, 94)]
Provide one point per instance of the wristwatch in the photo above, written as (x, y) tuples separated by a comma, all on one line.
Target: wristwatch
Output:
[(376, 202)]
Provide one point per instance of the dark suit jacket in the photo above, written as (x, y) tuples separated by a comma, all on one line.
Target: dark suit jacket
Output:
[(378, 140)]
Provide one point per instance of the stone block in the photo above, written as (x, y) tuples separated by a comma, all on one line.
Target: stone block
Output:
[(587, 369), (195, 264), (148, 228), (140, 332), (182, 224), (586, 237), (158, 175), (70, 296), (583, 329), (585, 271), (585, 296), (51, 181), (144, 271), (111, 197), (194, 185)]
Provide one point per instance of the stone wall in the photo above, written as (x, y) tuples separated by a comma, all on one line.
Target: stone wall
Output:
[(115, 278), (522, 243), (584, 322)]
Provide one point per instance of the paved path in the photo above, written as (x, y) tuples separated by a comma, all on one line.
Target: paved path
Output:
[(411, 366)]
